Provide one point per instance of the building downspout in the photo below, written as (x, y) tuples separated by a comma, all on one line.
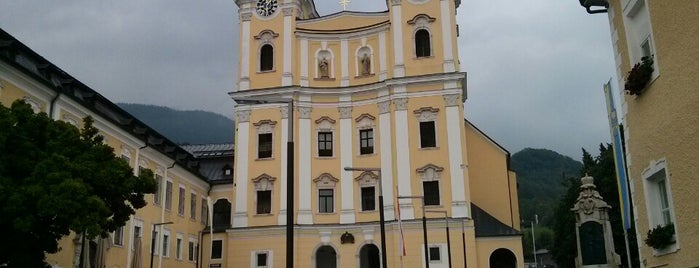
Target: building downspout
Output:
[(162, 215), (200, 256), (52, 104)]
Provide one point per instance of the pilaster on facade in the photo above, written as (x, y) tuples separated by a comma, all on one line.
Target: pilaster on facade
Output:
[(287, 77), (281, 218), (244, 82), (305, 214), (304, 62), (344, 54), (458, 168), (398, 68), (240, 216), (447, 40), (347, 203), (403, 155), (386, 150)]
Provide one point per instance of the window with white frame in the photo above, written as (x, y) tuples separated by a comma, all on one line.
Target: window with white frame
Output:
[(217, 249), (166, 243), (178, 246), (181, 200), (265, 130), (429, 176), (154, 240), (36, 105), (204, 211), (119, 236), (168, 195), (264, 184), (422, 36), (266, 57), (435, 254), (325, 128), (368, 182), (658, 195), (325, 183), (365, 126), (126, 154), (192, 249), (427, 118), (137, 235), (261, 259)]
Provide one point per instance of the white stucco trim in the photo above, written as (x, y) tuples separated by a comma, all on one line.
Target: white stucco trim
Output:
[(244, 83), (286, 64), (281, 218), (398, 68), (383, 73), (447, 37), (240, 217), (459, 208), (403, 160), (344, 61), (304, 62), (346, 179), (305, 214), (385, 137)]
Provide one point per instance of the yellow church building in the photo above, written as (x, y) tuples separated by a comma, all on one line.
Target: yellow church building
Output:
[(370, 90)]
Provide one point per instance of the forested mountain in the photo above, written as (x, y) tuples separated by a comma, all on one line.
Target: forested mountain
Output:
[(540, 175), (184, 127)]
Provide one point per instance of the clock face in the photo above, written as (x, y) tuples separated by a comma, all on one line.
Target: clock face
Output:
[(266, 7)]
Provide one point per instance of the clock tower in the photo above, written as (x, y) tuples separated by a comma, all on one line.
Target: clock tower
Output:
[(266, 41)]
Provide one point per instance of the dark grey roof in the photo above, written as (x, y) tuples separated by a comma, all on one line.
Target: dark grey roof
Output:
[(24, 59), (488, 226), (210, 150)]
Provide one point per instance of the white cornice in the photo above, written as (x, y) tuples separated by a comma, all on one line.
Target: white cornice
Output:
[(353, 14)]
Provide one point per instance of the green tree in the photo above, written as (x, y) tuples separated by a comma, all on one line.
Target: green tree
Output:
[(55, 179), (602, 169), (544, 239)]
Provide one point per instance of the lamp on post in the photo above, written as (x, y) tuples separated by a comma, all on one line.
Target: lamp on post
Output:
[(424, 226), (446, 222), (382, 220), (289, 170), (153, 240)]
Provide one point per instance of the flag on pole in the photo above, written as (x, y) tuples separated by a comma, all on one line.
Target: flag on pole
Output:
[(400, 226), (619, 163)]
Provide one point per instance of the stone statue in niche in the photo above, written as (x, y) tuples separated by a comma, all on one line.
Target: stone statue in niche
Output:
[(366, 64), (323, 68)]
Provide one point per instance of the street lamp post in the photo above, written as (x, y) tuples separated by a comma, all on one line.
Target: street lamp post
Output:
[(153, 240), (446, 222), (382, 220), (424, 226), (534, 239), (289, 170)]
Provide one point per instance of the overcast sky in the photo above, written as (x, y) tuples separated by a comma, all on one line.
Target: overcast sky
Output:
[(535, 68)]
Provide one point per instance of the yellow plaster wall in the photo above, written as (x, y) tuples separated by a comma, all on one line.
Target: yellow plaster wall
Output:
[(486, 246), (489, 175), (268, 78), (426, 65)]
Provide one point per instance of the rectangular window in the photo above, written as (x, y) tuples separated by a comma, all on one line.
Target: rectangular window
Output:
[(190, 251), (646, 49), (325, 144), (264, 202), (193, 206), (431, 192), (166, 244), (217, 249), (136, 235), (180, 204), (427, 135), (119, 236), (264, 145), (434, 254), (368, 198), (204, 211), (178, 253), (159, 184), (168, 195), (366, 141), (664, 203), (325, 200), (262, 259)]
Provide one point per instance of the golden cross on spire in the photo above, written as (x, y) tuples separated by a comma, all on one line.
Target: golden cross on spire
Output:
[(344, 4)]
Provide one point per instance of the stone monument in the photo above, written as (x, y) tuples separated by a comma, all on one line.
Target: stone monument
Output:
[(593, 229)]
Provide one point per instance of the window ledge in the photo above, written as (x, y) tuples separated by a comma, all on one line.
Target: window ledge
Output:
[(365, 76), (367, 211), (324, 79), (266, 72), (423, 57), (434, 206), (429, 148), (327, 213), (326, 157), (263, 215), (265, 159), (367, 155)]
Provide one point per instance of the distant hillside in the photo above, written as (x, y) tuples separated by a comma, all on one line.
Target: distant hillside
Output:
[(540, 174), (184, 127)]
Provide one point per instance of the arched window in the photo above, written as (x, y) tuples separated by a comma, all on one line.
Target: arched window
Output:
[(422, 43), (266, 58), (222, 213)]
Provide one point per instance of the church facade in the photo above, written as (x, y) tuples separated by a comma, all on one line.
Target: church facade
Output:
[(370, 90)]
